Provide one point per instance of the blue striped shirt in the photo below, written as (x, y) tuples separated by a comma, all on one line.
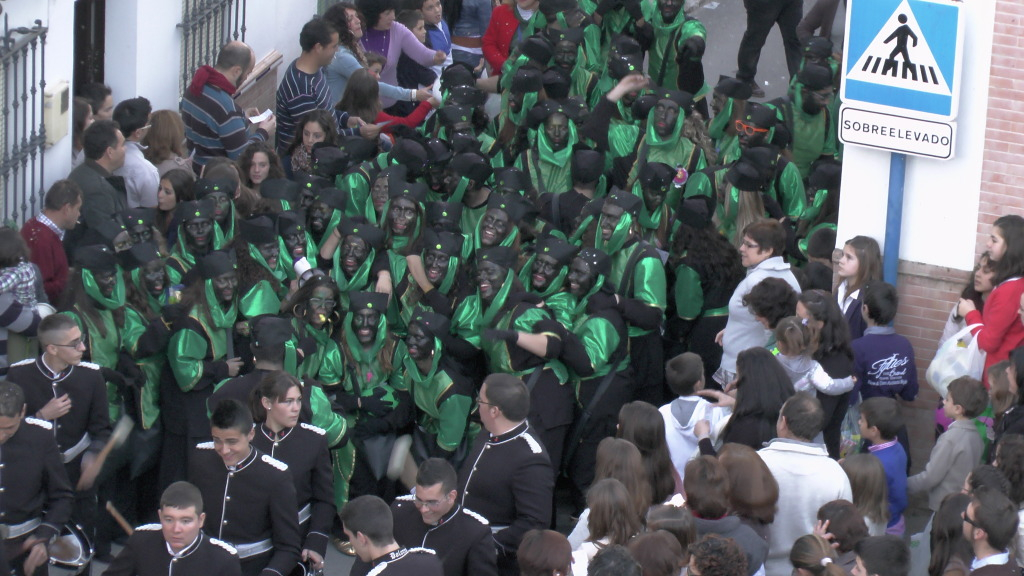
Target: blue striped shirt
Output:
[(214, 126), (299, 94)]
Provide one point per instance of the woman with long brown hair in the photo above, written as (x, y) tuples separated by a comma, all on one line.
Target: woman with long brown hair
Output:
[(754, 493), (165, 143), (362, 99), (621, 460)]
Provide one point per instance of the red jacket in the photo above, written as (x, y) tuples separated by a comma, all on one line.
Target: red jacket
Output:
[(48, 254), (1002, 329), (414, 119), (497, 41)]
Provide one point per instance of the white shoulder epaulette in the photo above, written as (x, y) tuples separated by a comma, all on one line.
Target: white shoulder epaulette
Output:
[(534, 445), (25, 361), (224, 545), (148, 527), (316, 429), (427, 550), (477, 516), (274, 462), (407, 498), (92, 365), (377, 569), (205, 446), (40, 423)]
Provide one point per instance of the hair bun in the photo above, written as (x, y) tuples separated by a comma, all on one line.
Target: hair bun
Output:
[(826, 561)]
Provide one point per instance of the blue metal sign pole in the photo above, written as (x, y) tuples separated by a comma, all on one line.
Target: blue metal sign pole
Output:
[(894, 216)]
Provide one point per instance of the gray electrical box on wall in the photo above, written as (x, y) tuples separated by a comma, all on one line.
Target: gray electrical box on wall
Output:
[(56, 109)]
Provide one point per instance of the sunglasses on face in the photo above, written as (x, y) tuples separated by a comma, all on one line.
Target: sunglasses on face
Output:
[(749, 130)]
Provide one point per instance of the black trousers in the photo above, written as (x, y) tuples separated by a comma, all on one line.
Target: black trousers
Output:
[(647, 360), (761, 16)]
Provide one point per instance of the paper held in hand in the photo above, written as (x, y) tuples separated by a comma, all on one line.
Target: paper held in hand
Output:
[(257, 119)]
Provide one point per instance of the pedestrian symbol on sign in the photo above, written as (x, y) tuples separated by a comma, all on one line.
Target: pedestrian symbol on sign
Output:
[(888, 59)]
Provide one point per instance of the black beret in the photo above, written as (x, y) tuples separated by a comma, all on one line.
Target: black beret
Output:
[(206, 186), (361, 227), (597, 259), (503, 256), (734, 88), (446, 242), (217, 263), (555, 248), (280, 189), (96, 258), (377, 301), (258, 230), (815, 76), (630, 203)]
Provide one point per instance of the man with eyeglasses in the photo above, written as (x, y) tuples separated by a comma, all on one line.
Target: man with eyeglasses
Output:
[(432, 517), (71, 397), (141, 178), (990, 525)]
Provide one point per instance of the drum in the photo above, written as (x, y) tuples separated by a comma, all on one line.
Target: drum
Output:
[(71, 552)]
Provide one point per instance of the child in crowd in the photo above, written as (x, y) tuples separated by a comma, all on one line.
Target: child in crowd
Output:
[(959, 449), (793, 341), (883, 360), (820, 245), (684, 375), (880, 419), (868, 485), (412, 74), (883, 556), (860, 263)]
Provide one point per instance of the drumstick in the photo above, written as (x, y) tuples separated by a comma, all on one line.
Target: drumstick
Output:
[(117, 437), (119, 518)]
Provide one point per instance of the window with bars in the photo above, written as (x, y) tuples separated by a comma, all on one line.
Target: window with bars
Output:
[(22, 134), (206, 25)]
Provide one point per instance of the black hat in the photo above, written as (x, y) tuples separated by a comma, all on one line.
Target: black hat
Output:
[(333, 197), (527, 80), (395, 175), (626, 46), (139, 255), (587, 164), (206, 186), (452, 114), (511, 178), (432, 323), (258, 230), (357, 148), (410, 153), (826, 174), (503, 256), (377, 301), (450, 244), (621, 66), (630, 203), (556, 248), (457, 74), (759, 115), (328, 161), (556, 83), (517, 207), (291, 222), (106, 231), (473, 166), (696, 211), (195, 210), (437, 210), (466, 96), (537, 48), (751, 172), (440, 151), (415, 191), (815, 76), (818, 46), (576, 109), (280, 189), (597, 259), (541, 112), (311, 181), (734, 88), (139, 216), (656, 175), (643, 105), (465, 143), (574, 35), (682, 99), (216, 263), (361, 227), (550, 8), (96, 258), (271, 331)]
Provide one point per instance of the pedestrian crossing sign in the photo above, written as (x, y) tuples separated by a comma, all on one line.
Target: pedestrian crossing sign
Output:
[(904, 57)]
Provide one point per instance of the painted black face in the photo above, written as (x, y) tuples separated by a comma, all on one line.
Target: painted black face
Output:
[(106, 281), (581, 278), (419, 343), (436, 265), (666, 113), (750, 134), (221, 206), (306, 199), (545, 270), (556, 127), (814, 101), (139, 233), (379, 193), (669, 9), (199, 234), (402, 216), (154, 277), (295, 243), (319, 216), (463, 128), (122, 242), (435, 176), (226, 287), (451, 180), (364, 322), (610, 217), (515, 101), (494, 227), (320, 306), (271, 252), (490, 278), (654, 197), (566, 53), (354, 251)]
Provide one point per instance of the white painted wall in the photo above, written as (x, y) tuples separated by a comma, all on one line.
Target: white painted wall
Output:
[(940, 211)]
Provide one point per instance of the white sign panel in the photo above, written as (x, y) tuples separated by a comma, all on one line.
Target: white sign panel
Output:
[(897, 133)]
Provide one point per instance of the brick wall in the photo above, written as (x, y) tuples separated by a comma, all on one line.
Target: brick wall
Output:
[(1002, 180), (260, 88)]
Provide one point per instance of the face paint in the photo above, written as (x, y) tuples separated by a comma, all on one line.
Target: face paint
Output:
[(610, 217), (556, 127), (451, 180), (198, 234), (319, 215), (814, 101), (226, 287), (654, 197), (669, 9), (545, 269), (581, 278), (379, 193), (419, 343), (320, 306), (354, 252), (222, 206), (364, 323), (566, 53), (270, 251), (435, 265), (139, 233), (154, 277), (106, 281), (402, 216), (306, 199), (666, 113), (494, 227), (490, 278)]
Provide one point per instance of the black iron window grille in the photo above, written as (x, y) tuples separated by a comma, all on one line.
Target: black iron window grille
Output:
[(22, 134), (206, 25)]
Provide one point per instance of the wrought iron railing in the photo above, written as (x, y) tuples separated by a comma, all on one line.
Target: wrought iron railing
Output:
[(206, 25), (22, 134)]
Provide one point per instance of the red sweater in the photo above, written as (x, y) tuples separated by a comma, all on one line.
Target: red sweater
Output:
[(497, 41), (1002, 329), (48, 254), (414, 119)]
